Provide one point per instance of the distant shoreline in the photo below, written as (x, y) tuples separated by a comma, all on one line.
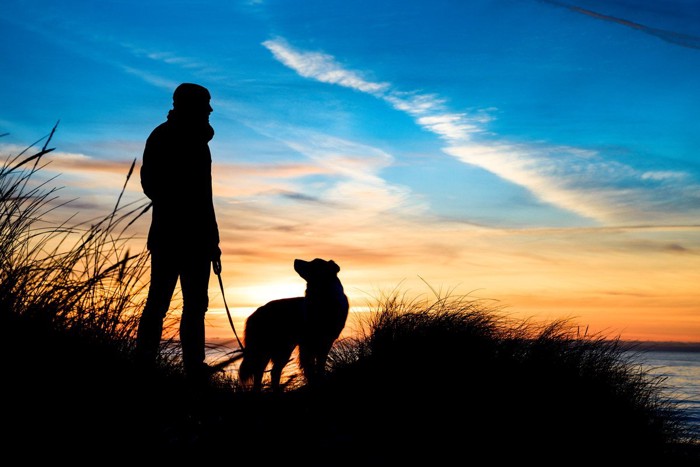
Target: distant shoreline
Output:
[(662, 346), (659, 346)]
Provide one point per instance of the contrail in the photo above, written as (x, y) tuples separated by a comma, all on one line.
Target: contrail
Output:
[(684, 40)]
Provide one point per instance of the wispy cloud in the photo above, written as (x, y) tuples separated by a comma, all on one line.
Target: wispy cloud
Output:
[(351, 171), (320, 67), (428, 109), (150, 78), (583, 182), (61, 163), (243, 181), (97, 45), (580, 181), (85, 166), (684, 40)]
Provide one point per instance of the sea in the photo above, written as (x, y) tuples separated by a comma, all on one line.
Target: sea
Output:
[(678, 366)]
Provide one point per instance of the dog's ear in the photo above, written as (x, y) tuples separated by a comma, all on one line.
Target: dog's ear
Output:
[(334, 267)]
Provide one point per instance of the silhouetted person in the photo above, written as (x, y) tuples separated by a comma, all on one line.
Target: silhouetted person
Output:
[(184, 237)]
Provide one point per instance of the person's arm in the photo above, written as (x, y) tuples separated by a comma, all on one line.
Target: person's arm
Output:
[(154, 172), (148, 177), (216, 251)]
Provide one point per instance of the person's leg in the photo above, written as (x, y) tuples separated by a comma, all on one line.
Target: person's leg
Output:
[(164, 274), (194, 281)]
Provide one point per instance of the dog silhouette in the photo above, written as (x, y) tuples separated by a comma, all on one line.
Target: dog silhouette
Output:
[(312, 323)]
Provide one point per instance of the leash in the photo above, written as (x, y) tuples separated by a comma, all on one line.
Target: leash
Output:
[(228, 313)]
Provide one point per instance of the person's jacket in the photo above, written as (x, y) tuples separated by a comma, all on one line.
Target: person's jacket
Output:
[(176, 176)]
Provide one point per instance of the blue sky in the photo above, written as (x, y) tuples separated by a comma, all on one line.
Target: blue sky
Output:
[(545, 152)]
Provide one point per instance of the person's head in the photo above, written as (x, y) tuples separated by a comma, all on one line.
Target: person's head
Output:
[(192, 99)]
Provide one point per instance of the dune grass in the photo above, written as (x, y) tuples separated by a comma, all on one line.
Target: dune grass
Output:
[(80, 277), (453, 377), (442, 380)]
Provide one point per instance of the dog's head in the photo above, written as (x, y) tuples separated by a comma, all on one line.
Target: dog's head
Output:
[(316, 270)]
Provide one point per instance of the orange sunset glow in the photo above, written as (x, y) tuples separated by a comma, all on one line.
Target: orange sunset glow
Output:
[(636, 282), (547, 167)]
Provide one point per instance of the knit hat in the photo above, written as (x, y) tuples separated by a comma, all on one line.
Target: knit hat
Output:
[(190, 94)]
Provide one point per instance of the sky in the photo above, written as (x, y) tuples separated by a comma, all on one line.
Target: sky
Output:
[(539, 157)]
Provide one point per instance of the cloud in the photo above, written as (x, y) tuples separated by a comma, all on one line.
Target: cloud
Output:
[(99, 46), (451, 127), (684, 40), (92, 185), (583, 182), (71, 163), (577, 180), (297, 196), (415, 104), (431, 113), (273, 170), (320, 67), (150, 78), (664, 175), (428, 109), (350, 172), (344, 157), (76, 164)]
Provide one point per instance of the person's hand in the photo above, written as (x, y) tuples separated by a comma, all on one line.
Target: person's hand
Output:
[(216, 260)]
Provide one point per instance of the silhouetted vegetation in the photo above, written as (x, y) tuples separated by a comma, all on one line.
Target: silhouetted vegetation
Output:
[(80, 278), (449, 379)]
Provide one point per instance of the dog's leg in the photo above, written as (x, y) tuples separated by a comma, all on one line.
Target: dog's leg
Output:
[(319, 361), (306, 361), (279, 362), (257, 381), (311, 362), (276, 376)]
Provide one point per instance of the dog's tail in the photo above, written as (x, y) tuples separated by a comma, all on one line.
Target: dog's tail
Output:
[(246, 369), (253, 364)]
